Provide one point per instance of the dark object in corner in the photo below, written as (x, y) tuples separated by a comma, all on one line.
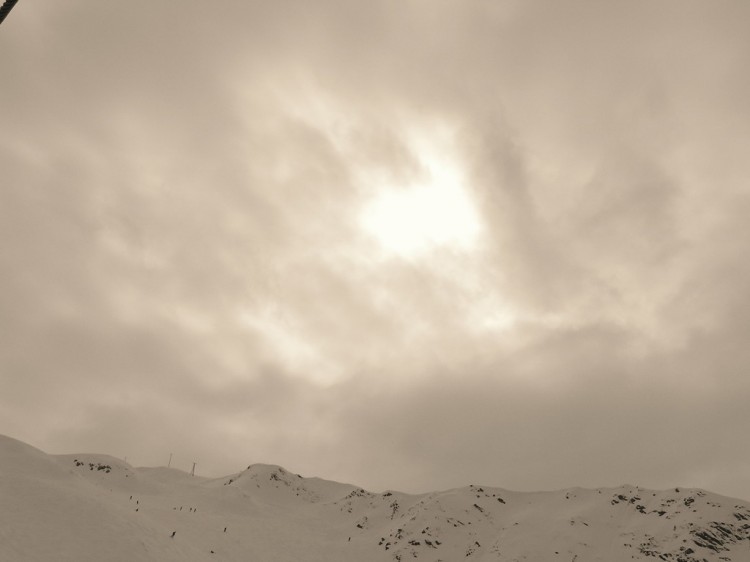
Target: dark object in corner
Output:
[(6, 8)]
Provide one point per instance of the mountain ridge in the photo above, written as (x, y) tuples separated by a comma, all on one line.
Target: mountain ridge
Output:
[(86, 507)]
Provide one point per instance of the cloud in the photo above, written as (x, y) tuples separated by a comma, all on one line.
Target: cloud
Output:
[(183, 248)]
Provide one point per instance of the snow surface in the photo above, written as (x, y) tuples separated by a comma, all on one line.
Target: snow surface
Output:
[(89, 507)]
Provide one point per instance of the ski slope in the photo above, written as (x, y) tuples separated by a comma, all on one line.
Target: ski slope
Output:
[(88, 507)]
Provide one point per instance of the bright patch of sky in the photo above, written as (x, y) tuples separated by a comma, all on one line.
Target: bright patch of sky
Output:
[(433, 211)]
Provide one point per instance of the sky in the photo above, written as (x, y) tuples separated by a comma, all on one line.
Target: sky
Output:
[(405, 244)]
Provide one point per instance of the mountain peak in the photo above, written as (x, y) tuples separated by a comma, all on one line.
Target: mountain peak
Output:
[(93, 507)]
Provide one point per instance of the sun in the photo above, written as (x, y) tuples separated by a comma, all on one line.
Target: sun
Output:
[(435, 211)]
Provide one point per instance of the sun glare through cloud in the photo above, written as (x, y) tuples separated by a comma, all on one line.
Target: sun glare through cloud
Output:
[(435, 211)]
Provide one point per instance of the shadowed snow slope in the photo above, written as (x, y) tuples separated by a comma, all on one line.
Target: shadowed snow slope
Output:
[(94, 507)]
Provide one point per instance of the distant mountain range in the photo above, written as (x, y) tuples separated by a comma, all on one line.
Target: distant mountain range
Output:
[(88, 507)]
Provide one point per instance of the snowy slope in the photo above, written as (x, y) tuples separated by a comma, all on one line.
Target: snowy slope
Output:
[(95, 507)]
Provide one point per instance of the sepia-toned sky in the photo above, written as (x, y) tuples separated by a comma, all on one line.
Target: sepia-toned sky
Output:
[(408, 244)]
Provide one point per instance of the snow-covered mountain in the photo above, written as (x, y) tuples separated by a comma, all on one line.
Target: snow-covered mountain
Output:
[(94, 507)]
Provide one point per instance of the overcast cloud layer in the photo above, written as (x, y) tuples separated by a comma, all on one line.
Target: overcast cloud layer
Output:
[(184, 263)]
